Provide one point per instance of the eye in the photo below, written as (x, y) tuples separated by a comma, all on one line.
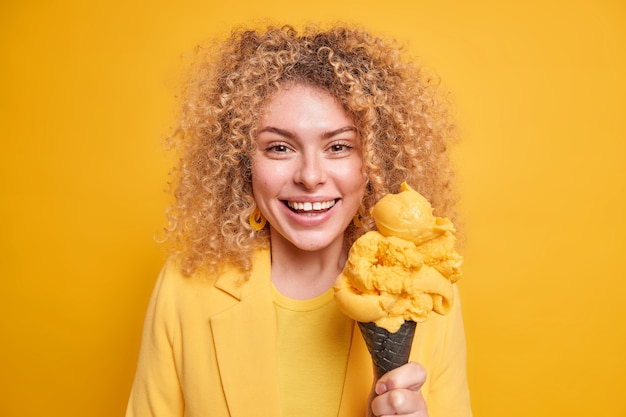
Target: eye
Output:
[(340, 148), (278, 150)]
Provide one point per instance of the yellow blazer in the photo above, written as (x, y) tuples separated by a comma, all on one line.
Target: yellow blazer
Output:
[(208, 350)]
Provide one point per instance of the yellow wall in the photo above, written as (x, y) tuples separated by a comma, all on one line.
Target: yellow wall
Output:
[(87, 95)]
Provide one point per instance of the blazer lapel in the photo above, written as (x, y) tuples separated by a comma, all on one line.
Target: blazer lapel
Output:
[(245, 344), (359, 378)]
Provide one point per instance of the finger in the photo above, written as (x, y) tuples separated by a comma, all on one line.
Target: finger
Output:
[(409, 376), (399, 402)]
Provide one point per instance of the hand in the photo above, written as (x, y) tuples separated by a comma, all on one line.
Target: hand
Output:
[(398, 392)]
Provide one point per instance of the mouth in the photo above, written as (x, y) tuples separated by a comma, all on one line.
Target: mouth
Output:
[(306, 207)]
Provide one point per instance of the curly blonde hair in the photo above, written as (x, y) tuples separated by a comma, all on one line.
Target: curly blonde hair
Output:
[(401, 117)]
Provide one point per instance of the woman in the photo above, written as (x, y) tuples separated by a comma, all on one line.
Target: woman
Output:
[(285, 139)]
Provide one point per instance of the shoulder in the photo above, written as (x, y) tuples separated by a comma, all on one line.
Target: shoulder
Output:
[(443, 332), (439, 346), (209, 292)]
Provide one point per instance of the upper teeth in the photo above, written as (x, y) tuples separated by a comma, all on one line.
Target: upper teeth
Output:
[(309, 206)]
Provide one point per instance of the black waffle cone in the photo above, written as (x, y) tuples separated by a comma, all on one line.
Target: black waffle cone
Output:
[(388, 350)]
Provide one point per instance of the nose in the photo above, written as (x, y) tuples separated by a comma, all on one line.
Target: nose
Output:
[(311, 171)]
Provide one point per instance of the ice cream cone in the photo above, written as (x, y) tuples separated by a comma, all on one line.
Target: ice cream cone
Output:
[(388, 350), (397, 275)]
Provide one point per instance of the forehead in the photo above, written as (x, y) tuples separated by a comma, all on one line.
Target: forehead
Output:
[(301, 103)]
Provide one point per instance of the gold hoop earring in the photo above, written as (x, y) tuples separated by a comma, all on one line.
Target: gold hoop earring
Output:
[(257, 221), (358, 217)]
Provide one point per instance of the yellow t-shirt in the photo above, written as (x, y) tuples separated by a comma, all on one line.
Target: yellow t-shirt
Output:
[(313, 342)]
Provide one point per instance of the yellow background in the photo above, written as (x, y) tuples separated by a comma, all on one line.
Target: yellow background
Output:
[(88, 94)]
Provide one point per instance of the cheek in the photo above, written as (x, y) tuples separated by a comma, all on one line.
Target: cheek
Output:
[(356, 178), (269, 171), (360, 189), (267, 178), (259, 171), (259, 184), (258, 181)]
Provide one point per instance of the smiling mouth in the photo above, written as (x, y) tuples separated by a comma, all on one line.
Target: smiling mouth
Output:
[(310, 207)]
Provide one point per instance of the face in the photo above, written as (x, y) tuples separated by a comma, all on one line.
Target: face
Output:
[(307, 171)]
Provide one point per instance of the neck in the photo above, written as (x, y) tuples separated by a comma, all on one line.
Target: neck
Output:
[(302, 274)]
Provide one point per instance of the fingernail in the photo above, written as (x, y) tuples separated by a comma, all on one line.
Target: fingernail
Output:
[(381, 388)]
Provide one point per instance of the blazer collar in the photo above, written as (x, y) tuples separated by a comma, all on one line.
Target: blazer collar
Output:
[(234, 281)]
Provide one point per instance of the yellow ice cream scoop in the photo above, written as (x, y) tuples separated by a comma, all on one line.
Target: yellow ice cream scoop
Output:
[(386, 281), (408, 215), (403, 271)]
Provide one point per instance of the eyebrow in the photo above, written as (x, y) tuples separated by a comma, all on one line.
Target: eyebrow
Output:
[(291, 135)]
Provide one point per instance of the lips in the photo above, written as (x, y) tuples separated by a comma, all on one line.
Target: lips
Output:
[(310, 206)]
